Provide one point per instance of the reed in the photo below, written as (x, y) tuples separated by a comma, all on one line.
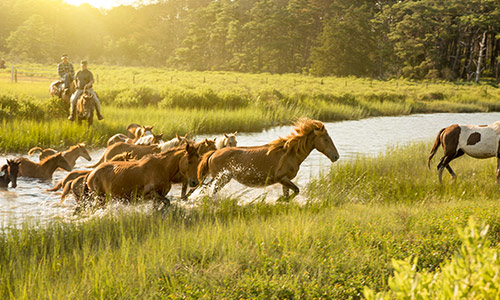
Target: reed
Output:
[(358, 218)]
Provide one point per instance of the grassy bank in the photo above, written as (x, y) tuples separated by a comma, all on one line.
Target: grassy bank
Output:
[(359, 217), (215, 102)]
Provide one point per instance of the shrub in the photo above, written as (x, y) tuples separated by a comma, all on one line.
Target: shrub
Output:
[(140, 96), (9, 106), (472, 273)]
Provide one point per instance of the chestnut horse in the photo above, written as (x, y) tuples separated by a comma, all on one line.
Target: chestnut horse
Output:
[(85, 107), (151, 175), (137, 151), (71, 155), (478, 141), (45, 168), (11, 170), (276, 162)]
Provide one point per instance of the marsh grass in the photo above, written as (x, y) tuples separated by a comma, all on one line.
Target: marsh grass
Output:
[(215, 102), (359, 217)]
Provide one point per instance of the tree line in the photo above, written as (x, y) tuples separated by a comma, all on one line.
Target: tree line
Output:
[(452, 39)]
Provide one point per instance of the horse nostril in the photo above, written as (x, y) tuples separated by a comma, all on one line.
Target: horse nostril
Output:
[(193, 183)]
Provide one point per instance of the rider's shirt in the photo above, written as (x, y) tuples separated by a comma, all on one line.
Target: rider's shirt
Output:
[(63, 69), (83, 77)]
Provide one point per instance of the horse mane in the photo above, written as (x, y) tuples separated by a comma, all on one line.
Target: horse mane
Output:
[(50, 157), (297, 140), (496, 126)]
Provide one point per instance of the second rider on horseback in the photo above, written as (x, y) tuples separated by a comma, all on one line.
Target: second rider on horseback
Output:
[(84, 80)]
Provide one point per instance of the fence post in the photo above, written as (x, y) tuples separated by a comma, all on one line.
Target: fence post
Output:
[(97, 78), (15, 75), (133, 79), (12, 74)]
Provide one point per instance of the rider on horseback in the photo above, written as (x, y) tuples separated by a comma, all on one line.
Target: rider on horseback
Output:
[(66, 72), (84, 80)]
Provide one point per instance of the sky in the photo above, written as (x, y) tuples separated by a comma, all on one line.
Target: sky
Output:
[(104, 4)]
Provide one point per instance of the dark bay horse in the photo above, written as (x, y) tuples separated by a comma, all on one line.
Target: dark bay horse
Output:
[(45, 168), (151, 175), (478, 141), (71, 155), (10, 172), (276, 162)]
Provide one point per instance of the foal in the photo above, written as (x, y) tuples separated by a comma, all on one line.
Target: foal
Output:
[(44, 169), (71, 155), (11, 169), (478, 141)]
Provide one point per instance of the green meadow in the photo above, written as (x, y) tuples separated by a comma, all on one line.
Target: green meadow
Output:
[(359, 217), (215, 102)]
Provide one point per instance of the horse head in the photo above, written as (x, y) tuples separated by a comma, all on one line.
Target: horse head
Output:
[(12, 169), (205, 146), (324, 144), (230, 139), (82, 150), (86, 104), (188, 165), (157, 138)]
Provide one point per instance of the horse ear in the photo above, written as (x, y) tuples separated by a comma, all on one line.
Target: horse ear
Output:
[(186, 135), (226, 135), (177, 137), (235, 132)]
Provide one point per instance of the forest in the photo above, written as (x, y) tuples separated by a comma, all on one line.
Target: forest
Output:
[(426, 39)]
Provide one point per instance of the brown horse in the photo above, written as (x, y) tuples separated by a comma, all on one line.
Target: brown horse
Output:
[(71, 155), (276, 162), (137, 151), (70, 176), (151, 175), (11, 170), (85, 107), (76, 186), (55, 89), (201, 147), (45, 168)]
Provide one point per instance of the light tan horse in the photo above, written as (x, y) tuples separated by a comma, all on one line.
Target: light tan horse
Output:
[(137, 151), (70, 176), (119, 137), (45, 168), (71, 155), (151, 175), (276, 162), (226, 140)]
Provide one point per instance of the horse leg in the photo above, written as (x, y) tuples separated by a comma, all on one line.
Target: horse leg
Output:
[(498, 168), (220, 182), (444, 163), (288, 184), (450, 170)]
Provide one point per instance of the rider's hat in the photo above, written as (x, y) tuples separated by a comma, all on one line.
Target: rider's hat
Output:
[(64, 56), (83, 62)]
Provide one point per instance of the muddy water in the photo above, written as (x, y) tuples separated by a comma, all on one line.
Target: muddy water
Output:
[(30, 201)]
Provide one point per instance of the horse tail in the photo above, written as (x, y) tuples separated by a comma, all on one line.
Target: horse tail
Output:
[(33, 150), (437, 142), (57, 187), (203, 165)]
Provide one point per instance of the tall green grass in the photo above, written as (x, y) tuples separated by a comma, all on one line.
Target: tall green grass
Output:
[(358, 218)]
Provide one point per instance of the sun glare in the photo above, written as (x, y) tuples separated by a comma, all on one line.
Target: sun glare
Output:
[(105, 4)]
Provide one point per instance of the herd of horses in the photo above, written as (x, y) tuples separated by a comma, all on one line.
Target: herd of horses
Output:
[(140, 164)]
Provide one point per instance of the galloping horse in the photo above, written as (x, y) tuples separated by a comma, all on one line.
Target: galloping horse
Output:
[(137, 151), (85, 107), (151, 175), (11, 170), (478, 141), (71, 155), (226, 140), (276, 162), (44, 169)]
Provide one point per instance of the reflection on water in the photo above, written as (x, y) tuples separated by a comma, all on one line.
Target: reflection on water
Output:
[(352, 138)]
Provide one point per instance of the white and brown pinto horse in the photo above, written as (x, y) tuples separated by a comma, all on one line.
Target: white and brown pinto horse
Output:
[(276, 162), (478, 141)]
